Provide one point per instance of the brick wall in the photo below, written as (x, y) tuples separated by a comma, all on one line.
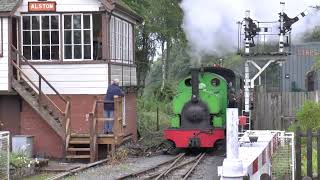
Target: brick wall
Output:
[(10, 114), (48, 143)]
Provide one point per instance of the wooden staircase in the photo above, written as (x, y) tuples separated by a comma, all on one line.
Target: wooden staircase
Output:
[(79, 146), (52, 117), (55, 116)]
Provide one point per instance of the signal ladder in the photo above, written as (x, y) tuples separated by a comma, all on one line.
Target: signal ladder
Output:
[(244, 122)]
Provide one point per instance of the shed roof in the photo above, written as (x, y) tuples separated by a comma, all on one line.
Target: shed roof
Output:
[(8, 5)]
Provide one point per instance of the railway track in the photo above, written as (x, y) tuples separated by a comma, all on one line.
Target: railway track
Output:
[(167, 168)]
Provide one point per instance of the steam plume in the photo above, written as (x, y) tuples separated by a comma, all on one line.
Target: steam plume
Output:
[(210, 25)]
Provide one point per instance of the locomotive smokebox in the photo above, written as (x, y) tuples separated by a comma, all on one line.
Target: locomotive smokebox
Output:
[(195, 85)]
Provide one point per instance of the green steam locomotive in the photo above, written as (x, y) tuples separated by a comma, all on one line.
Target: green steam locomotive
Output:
[(200, 107)]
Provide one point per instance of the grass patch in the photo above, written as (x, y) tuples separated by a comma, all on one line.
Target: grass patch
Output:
[(41, 176)]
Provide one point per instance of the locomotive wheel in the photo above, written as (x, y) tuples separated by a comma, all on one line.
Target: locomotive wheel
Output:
[(170, 148)]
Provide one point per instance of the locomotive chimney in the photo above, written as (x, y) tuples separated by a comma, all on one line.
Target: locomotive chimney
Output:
[(195, 84)]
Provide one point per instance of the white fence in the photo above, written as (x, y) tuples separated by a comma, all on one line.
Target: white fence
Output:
[(4, 155)]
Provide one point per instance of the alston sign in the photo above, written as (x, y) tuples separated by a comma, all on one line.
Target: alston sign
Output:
[(44, 6)]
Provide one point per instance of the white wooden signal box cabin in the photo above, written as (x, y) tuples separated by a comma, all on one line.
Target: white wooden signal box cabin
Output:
[(57, 58)]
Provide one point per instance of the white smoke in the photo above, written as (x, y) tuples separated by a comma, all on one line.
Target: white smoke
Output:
[(210, 25)]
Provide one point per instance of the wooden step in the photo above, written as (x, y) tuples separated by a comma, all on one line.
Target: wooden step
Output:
[(79, 142), (78, 156), (78, 149), (106, 135), (109, 135), (76, 135)]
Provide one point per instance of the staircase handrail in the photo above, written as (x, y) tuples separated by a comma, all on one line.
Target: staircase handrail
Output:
[(41, 78)]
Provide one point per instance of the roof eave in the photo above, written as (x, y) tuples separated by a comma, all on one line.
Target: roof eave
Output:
[(12, 11), (135, 16), (5, 14)]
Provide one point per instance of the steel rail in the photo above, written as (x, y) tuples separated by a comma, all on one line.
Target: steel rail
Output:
[(135, 174), (193, 167), (167, 171)]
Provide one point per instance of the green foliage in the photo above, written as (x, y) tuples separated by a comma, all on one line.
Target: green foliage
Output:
[(304, 160), (162, 25), (309, 116), (313, 35), (316, 65), (147, 119), (19, 160), (233, 61), (166, 94)]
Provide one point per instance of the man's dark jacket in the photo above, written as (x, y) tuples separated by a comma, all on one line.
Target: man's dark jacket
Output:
[(113, 90)]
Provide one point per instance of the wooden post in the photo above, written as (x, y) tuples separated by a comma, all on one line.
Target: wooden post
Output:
[(121, 115), (158, 128), (115, 128), (298, 153), (318, 152), (92, 138), (309, 152)]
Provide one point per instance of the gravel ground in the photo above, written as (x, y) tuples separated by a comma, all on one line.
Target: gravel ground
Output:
[(207, 169), (113, 171)]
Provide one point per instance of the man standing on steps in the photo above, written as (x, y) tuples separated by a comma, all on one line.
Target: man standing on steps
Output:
[(113, 90)]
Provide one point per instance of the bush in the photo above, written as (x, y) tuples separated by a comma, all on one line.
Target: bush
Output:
[(309, 116), (147, 119), (19, 160)]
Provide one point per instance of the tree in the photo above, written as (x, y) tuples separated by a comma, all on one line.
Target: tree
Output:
[(145, 40), (313, 35), (161, 29)]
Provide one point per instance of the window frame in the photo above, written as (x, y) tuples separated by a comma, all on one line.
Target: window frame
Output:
[(82, 36), (1, 37), (41, 45), (121, 41)]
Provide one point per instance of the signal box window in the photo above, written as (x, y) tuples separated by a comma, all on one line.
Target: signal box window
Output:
[(41, 37), (121, 41), (78, 36)]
